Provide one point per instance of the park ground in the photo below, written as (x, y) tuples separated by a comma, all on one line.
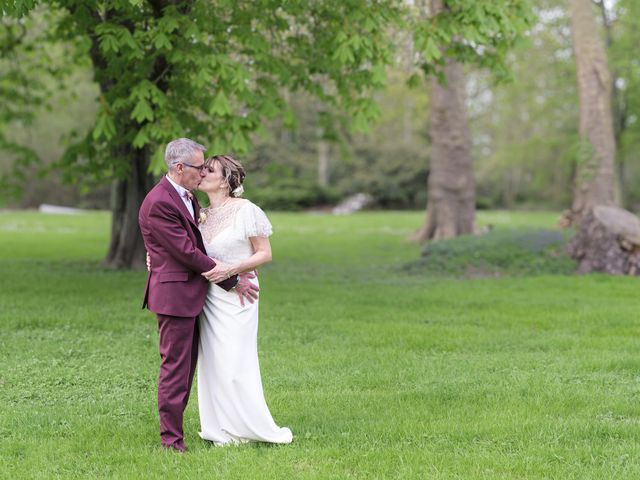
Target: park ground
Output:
[(382, 370)]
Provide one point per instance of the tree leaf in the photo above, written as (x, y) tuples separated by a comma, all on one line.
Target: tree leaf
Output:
[(105, 127), (157, 164), (220, 105), (240, 143), (142, 111), (431, 51), (141, 139), (162, 42)]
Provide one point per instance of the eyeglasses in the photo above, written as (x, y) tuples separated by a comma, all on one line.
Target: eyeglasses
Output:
[(200, 168)]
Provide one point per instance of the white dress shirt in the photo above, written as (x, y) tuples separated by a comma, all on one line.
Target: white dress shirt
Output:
[(183, 192)]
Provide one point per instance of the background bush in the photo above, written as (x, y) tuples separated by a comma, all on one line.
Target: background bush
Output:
[(497, 253)]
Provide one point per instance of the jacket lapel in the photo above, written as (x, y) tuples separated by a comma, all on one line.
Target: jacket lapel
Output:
[(178, 201)]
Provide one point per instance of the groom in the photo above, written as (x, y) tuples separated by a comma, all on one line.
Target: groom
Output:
[(176, 286)]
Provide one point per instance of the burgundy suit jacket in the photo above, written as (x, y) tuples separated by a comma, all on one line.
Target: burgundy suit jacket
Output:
[(178, 257)]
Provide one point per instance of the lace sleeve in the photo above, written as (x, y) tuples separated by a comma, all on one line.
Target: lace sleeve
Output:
[(255, 222)]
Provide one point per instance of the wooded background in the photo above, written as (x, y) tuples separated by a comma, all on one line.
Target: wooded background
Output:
[(450, 104)]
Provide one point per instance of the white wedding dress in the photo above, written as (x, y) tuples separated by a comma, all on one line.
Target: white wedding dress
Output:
[(230, 396)]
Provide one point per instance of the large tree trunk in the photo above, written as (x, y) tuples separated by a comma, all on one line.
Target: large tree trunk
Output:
[(451, 183), (608, 241), (618, 105), (596, 182), (127, 248)]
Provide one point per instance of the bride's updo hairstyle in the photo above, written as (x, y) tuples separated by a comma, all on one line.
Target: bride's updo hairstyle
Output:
[(232, 171)]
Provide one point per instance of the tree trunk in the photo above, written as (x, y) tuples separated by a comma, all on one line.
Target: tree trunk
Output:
[(618, 106), (323, 158), (596, 182), (451, 183), (608, 241), (127, 248)]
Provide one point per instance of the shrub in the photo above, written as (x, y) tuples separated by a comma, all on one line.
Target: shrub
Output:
[(500, 252), (288, 193)]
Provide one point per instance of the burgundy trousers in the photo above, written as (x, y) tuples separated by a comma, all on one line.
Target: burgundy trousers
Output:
[(179, 354)]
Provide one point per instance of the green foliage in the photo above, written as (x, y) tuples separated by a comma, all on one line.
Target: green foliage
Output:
[(625, 36), (394, 175), (378, 373), (527, 130), (17, 7), (280, 189), (293, 195), (479, 32), (499, 252), (24, 88), (214, 71), (390, 162)]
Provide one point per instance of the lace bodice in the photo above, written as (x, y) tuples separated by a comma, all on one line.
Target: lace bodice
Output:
[(227, 229)]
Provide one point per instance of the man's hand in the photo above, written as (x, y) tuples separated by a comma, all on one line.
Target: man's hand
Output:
[(246, 288), (148, 262), (220, 272)]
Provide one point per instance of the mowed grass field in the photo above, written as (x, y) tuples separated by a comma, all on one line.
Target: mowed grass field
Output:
[(380, 372)]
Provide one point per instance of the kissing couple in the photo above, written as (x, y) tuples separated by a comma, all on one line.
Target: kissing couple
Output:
[(203, 288)]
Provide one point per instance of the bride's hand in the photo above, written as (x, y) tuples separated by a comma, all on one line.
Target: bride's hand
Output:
[(247, 289), (220, 272)]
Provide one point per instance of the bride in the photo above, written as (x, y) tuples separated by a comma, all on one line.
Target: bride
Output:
[(236, 233)]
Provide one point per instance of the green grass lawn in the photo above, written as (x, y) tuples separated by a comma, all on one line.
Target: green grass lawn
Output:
[(379, 372)]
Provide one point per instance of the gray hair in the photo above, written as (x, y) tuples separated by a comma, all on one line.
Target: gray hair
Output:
[(181, 150)]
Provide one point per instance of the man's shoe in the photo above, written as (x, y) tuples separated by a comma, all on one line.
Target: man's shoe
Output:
[(175, 448)]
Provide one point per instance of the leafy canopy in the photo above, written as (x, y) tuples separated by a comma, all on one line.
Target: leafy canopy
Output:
[(216, 70), (478, 32)]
